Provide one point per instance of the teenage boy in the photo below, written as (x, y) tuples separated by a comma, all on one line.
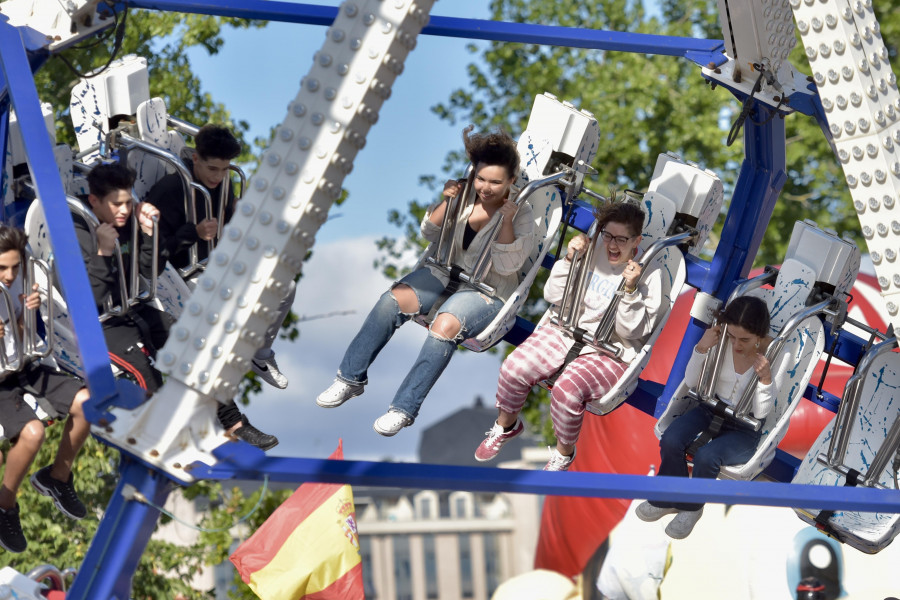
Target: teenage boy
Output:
[(209, 164), (18, 420), (135, 336)]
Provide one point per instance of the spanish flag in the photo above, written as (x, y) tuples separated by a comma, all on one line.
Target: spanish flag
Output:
[(308, 548)]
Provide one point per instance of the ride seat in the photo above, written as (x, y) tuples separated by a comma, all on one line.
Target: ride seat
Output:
[(660, 212), (683, 192), (152, 119), (557, 134), (171, 293), (791, 370), (869, 416)]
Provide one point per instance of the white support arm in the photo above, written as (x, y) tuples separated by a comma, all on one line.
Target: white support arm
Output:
[(862, 105)]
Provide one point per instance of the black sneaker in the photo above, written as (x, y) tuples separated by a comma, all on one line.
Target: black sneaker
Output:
[(254, 436), (62, 492), (11, 537)]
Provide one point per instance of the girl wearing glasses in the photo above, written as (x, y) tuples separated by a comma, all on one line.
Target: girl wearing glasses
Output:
[(592, 374), (466, 312)]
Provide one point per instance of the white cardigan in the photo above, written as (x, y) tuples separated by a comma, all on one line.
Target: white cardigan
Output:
[(506, 259), (731, 384)]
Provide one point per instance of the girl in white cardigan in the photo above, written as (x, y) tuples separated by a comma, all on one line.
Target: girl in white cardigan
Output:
[(748, 339), (466, 312)]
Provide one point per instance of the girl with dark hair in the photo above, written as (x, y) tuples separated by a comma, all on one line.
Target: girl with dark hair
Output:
[(591, 374), (466, 312), (747, 340)]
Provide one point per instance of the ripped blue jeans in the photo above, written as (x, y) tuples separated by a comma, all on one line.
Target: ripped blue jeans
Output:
[(472, 309)]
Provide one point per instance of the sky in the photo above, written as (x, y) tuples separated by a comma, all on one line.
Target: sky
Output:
[(409, 140)]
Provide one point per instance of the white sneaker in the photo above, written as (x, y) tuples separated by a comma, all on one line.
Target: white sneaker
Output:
[(392, 422), (683, 523), (338, 393), (558, 462), (649, 513), (268, 371)]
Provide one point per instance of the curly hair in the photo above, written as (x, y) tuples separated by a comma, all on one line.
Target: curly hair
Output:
[(494, 148), (626, 213), (748, 312)]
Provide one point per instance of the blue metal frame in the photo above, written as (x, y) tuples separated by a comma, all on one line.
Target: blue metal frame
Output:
[(702, 52), (124, 531), (16, 71), (594, 485), (127, 525)]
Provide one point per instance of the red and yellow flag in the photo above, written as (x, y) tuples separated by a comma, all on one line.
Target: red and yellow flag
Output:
[(308, 548)]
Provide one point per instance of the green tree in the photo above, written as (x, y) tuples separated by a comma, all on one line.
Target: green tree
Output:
[(166, 569), (646, 105)]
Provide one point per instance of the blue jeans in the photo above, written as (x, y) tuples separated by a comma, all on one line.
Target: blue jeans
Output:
[(733, 446), (472, 309)]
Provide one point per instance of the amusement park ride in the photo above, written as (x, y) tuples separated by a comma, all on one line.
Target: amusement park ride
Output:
[(846, 486)]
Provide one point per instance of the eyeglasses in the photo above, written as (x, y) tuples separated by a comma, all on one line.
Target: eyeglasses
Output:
[(621, 240)]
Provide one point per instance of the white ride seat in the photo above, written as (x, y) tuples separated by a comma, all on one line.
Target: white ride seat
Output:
[(171, 293), (679, 193), (660, 213), (557, 133), (820, 260), (803, 347), (862, 441), (152, 118)]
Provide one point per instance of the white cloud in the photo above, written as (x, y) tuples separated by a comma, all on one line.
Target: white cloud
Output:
[(340, 277)]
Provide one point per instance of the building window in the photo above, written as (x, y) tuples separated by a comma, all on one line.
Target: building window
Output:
[(431, 576), (491, 562), (461, 505), (365, 555), (426, 503), (402, 567), (466, 584)]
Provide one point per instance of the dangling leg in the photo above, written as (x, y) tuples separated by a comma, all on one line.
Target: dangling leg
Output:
[(532, 361), (731, 447), (588, 376), (413, 295), (535, 359), (464, 314), (264, 363), (57, 481), (28, 440), (675, 440)]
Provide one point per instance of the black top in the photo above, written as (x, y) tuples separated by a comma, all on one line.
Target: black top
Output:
[(103, 271), (176, 234), (468, 235)]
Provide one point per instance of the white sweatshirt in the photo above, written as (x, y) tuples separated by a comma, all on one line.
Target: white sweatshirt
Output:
[(637, 312)]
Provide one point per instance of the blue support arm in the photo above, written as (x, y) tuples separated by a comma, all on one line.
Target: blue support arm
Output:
[(19, 85), (239, 464), (700, 51)]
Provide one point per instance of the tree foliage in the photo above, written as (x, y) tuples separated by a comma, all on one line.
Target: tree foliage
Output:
[(645, 105)]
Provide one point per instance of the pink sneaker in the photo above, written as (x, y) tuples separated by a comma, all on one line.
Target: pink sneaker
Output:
[(495, 439)]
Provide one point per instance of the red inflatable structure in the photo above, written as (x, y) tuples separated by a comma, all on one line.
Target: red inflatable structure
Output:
[(623, 441)]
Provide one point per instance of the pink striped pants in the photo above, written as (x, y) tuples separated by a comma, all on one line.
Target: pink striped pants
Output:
[(587, 377)]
